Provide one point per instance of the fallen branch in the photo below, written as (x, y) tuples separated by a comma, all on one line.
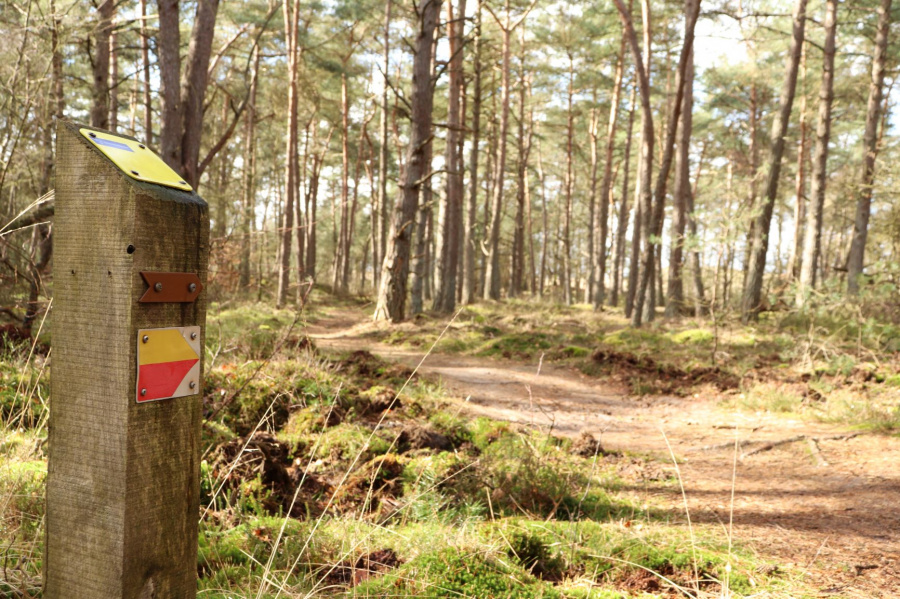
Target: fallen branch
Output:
[(774, 444)]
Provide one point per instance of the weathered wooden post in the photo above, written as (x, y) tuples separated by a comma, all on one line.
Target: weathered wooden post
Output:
[(130, 249)]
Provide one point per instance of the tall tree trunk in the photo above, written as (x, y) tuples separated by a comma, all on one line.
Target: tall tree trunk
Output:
[(812, 242), (248, 198), (675, 291), (342, 246), (193, 87), (645, 164), (601, 221), (752, 295), (855, 260), (569, 188), (113, 81), (392, 289), (591, 240), (517, 262), (622, 224), (800, 184), (291, 24), (380, 213), (644, 310), (450, 212), (145, 65), (471, 237), (545, 227), (492, 270), (100, 95)]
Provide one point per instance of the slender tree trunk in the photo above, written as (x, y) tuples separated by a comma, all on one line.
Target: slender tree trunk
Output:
[(569, 188), (249, 184), (100, 62), (145, 65), (601, 222), (492, 271), (392, 289), (752, 295), (113, 81), (675, 292), (517, 263), (752, 192), (644, 310), (812, 243), (291, 23), (591, 237), (342, 247), (855, 260), (450, 212), (380, 213), (193, 87), (800, 186), (545, 228), (645, 164), (471, 237), (622, 224)]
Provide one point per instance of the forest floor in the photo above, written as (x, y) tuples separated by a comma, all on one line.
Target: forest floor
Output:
[(818, 498), (518, 449)]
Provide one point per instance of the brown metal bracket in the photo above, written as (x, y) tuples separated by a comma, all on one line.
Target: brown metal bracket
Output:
[(171, 287)]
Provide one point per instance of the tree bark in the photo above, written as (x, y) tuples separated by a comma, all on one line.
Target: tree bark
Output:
[(566, 275), (517, 263), (291, 25), (249, 183), (812, 242), (855, 260), (380, 213), (471, 237), (100, 95), (450, 212), (622, 224), (800, 184), (644, 310), (492, 266), (601, 222), (395, 270), (675, 291), (752, 295), (145, 65)]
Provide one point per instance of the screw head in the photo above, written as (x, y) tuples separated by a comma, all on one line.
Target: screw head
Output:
[(135, 173), (157, 287), (143, 392), (182, 182), (142, 146), (146, 338), (192, 287), (92, 134), (192, 385), (193, 335)]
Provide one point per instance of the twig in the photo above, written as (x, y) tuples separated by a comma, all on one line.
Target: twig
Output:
[(773, 444)]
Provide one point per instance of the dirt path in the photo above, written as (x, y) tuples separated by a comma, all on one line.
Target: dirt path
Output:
[(831, 508)]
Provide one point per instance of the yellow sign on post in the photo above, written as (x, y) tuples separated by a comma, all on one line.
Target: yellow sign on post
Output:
[(135, 159)]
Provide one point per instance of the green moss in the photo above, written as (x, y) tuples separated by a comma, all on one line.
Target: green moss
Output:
[(456, 573), (695, 336)]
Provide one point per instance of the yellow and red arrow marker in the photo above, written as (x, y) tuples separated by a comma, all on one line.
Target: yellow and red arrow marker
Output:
[(168, 363)]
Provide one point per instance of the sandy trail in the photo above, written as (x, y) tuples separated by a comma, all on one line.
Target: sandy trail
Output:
[(831, 508)]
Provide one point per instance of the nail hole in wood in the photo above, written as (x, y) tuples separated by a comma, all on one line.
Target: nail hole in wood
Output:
[(130, 249)]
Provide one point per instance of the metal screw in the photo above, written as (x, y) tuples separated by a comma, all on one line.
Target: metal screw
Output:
[(192, 385), (192, 287), (92, 134), (135, 173), (142, 146), (143, 392), (146, 338), (157, 287), (182, 182), (193, 335)]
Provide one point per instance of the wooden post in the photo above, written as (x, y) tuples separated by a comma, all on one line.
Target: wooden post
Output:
[(123, 481)]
